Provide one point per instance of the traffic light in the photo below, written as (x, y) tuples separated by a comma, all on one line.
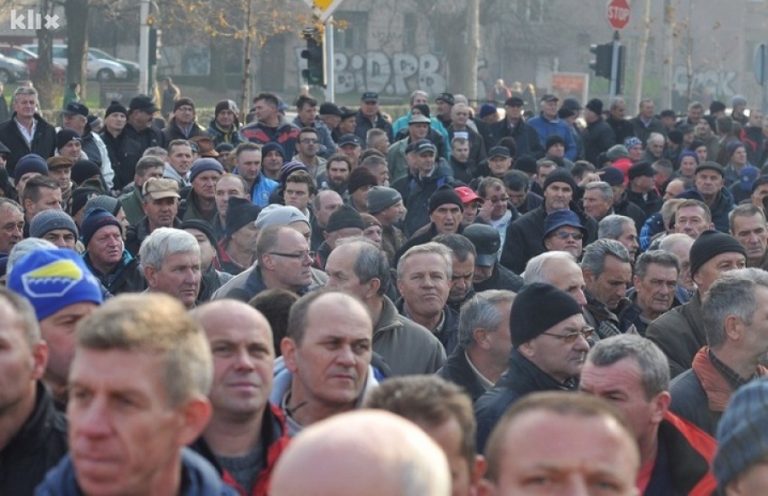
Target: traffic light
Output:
[(315, 55), (603, 58), (154, 45), (620, 71)]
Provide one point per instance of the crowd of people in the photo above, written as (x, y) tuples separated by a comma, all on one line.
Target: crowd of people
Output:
[(457, 301)]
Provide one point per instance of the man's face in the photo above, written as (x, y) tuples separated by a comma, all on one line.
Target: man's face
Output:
[(556, 150), (628, 238), (497, 195), (514, 113), (595, 204), (462, 276), (739, 156), (708, 182), (249, 164), (393, 214), (290, 260), (443, 108), (554, 355), (636, 152), (331, 362), (348, 125), (550, 453), (297, 195), (184, 115), (180, 158), (179, 276), (352, 151), (370, 108), (50, 199), (264, 110), (611, 285), (161, 212), (338, 172), (76, 122), (58, 330), (207, 251), (446, 218), (123, 432), (566, 238), (656, 147), (418, 130), (688, 166), (328, 203), (156, 172), (25, 105), (11, 227), (516, 197), (567, 276), (308, 145), (204, 184), (460, 151), (243, 357), (273, 162), (20, 367), (140, 118), (715, 267), (225, 118), (425, 162), (115, 122), (760, 193), (647, 110), (702, 129), (459, 115), (62, 238), (307, 114), (340, 268), (557, 196), (752, 234), (674, 188), (642, 184), (753, 480), (656, 290), (499, 165), (691, 221), (449, 436), (756, 118), (621, 384), (424, 284), (71, 149), (549, 109), (694, 114), (62, 175), (380, 143), (225, 188), (106, 246), (618, 110)]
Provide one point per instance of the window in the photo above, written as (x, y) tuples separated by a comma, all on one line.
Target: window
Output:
[(354, 36)]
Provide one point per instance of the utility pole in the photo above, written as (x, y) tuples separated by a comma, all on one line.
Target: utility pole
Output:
[(144, 47), (330, 76), (669, 50)]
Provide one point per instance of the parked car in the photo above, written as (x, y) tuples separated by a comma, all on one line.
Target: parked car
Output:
[(96, 68), (11, 70), (132, 67), (30, 59)]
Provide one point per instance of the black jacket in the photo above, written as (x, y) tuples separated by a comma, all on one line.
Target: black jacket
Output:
[(37, 447), (522, 378), (649, 204), (416, 192), (501, 278), (458, 371), (125, 278), (622, 129), (680, 334), (43, 141), (598, 138), (132, 145), (526, 137)]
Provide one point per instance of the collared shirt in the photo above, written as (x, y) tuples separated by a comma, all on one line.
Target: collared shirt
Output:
[(733, 378), (27, 134), (487, 384)]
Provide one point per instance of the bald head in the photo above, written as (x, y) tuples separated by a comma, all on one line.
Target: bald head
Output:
[(366, 452)]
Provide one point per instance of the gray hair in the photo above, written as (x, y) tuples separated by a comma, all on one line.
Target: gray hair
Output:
[(732, 294), (655, 137), (371, 262), (430, 248), (536, 268), (26, 246), (481, 312), (746, 210), (612, 226), (164, 242), (653, 364), (25, 90), (595, 254), (461, 247), (25, 314), (418, 93), (658, 257), (669, 241), (604, 188)]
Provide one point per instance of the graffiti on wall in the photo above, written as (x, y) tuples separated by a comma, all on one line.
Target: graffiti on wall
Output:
[(707, 84), (397, 74)]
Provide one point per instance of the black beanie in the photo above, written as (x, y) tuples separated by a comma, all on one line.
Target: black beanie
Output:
[(344, 217), (710, 244), (84, 169), (553, 140), (201, 226), (240, 211), (560, 176), (361, 177), (442, 196), (115, 107), (537, 308), (525, 163), (80, 197)]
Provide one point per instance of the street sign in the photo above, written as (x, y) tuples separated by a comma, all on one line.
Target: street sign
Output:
[(760, 63), (618, 14), (323, 9)]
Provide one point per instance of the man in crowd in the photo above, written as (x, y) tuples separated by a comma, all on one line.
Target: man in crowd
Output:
[(463, 257), (170, 259), (547, 124), (315, 382), (40, 193), (146, 167), (138, 388), (692, 217), (26, 131), (680, 332), (488, 272), (137, 135), (709, 184), (621, 229), (306, 116), (749, 228), (180, 158), (160, 201), (33, 434), (200, 202), (598, 200), (607, 273), (248, 158), (641, 190), (514, 125), (361, 269), (11, 225), (632, 373), (559, 269), (369, 117), (484, 343), (386, 204), (223, 128), (325, 203), (583, 444), (549, 344), (246, 434), (270, 126), (55, 226), (655, 282), (307, 152), (735, 311), (183, 123)]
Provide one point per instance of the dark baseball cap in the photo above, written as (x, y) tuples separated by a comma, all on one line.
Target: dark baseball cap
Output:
[(549, 98), (421, 146), (329, 108), (445, 97), (487, 243), (514, 101), (370, 96), (499, 151), (143, 103), (349, 139), (73, 108)]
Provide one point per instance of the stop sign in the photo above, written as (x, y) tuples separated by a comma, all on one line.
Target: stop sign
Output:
[(618, 14)]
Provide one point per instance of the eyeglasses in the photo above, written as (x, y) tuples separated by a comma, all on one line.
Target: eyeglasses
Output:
[(571, 337), (577, 236), (299, 256)]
